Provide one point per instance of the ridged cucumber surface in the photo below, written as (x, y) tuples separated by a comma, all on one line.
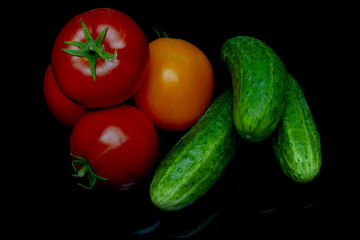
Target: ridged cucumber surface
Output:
[(198, 159), (259, 82), (297, 143)]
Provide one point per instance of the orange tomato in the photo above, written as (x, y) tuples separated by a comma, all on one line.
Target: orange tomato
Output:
[(179, 85)]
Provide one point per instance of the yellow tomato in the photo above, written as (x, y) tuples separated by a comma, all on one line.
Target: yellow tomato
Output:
[(179, 85)]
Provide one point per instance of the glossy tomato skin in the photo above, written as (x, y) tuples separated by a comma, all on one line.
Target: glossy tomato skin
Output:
[(119, 143), (179, 85), (117, 79), (63, 109)]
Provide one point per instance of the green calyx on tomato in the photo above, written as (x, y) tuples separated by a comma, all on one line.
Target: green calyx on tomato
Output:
[(159, 34), (91, 50), (85, 170)]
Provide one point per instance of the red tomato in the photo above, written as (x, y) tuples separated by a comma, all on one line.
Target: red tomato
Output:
[(119, 144), (64, 110), (179, 85), (98, 58)]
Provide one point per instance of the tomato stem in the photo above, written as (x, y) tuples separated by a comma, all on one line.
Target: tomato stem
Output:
[(91, 50), (84, 171), (159, 34)]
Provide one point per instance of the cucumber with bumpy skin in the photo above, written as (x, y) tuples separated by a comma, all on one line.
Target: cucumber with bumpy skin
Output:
[(259, 82), (297, 143), (198, 159)]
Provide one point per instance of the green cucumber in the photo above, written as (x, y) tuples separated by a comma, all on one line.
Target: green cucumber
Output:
[(198, 159), (297, 143), (259, 82)]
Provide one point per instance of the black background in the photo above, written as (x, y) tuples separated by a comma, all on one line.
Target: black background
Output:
[(252, 200)]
